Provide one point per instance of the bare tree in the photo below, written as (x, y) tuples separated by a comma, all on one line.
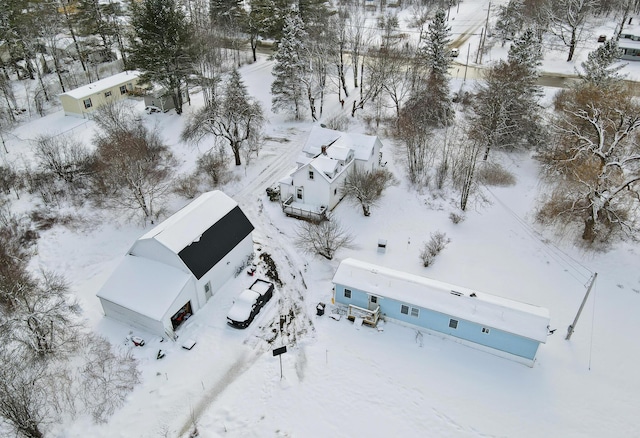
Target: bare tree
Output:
[(25, 403), (365, 187), (234, 117), (133, 167), (567, 20), (416, 134), (595, 163), (43, 319), (63, 155), (324, 238), (108, 376)]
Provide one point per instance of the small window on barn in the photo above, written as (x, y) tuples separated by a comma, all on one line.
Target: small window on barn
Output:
[(374, 299), (347, 293), (311, 174), (453, 323), (485, 330), (335, 191), (404, 309), (107, 94), (87, 103), (299, 192), (123, 89), (415, 312)]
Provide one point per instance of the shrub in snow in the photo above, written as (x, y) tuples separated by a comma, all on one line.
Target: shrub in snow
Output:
[(187, 185), (456, 218), (433, 247)]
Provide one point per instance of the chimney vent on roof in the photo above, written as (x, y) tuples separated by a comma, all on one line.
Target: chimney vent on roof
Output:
[(324, 150)]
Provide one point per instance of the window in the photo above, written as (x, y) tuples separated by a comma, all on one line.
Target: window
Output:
[(373, 299), (335, 191), (311, 174), (347, 293), (123, 89), (107, 93), (299, 193), (406, 310), (485, 330), (453, 323), (87, 103)]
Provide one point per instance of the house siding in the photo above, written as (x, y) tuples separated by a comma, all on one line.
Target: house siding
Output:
[(73, 101), (131, 317), (439, 322)]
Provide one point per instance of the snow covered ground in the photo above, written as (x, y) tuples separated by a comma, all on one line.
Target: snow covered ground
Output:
[(343, 381)]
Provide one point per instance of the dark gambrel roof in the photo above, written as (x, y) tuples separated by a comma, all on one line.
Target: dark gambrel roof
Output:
[(216, 242)]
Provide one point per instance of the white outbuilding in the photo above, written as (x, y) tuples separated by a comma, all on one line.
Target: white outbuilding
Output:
[(173, 270)]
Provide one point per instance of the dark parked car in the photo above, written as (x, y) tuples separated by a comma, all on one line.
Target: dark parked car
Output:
[(248, 304)]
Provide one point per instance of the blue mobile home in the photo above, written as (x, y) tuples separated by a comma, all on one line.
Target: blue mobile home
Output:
[(490, 323)]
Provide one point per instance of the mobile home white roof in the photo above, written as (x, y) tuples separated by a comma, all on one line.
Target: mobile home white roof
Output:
[(492, 311), (102, 84), (188, 224)]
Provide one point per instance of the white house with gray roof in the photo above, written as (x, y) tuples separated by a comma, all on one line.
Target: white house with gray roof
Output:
[(313, 187)]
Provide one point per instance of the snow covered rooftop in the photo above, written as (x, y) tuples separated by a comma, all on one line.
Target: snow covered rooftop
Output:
[(188, 224), (489, 310), (102, 84), (319, 137), (328, 166), (338, 152), (144, 286), (361, 144)]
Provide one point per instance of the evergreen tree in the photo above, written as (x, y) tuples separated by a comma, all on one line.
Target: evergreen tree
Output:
[(315, 15), (510, 20), (598, 70), (161, 47), (266, 18), (436, 57), (226, 13), (292, 63)]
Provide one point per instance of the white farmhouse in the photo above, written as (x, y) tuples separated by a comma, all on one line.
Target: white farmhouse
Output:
[(313, 188), (173, 270)]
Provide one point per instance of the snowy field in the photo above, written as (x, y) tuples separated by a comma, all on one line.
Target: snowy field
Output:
[(342, 381)]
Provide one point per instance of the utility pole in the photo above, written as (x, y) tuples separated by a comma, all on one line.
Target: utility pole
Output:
[(486, 27), (584, 300), (479, 45), (467, 64)]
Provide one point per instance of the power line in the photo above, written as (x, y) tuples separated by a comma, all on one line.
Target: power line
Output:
[(573, 266)]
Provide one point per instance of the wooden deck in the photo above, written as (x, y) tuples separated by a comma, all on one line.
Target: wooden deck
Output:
[(369, 317)]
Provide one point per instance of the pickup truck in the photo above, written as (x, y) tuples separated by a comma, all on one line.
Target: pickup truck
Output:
[(249, 302)]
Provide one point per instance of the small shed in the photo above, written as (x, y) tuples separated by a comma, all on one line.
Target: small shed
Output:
[(82, 101), (500, 326), (159, 98), (173, 270)]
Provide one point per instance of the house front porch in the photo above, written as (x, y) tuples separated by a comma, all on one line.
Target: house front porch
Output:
[(301, 210)]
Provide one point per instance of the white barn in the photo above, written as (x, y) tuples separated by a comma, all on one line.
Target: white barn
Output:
[(173, 270)]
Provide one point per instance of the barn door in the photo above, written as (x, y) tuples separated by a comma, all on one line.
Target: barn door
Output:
[(373, 302)]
